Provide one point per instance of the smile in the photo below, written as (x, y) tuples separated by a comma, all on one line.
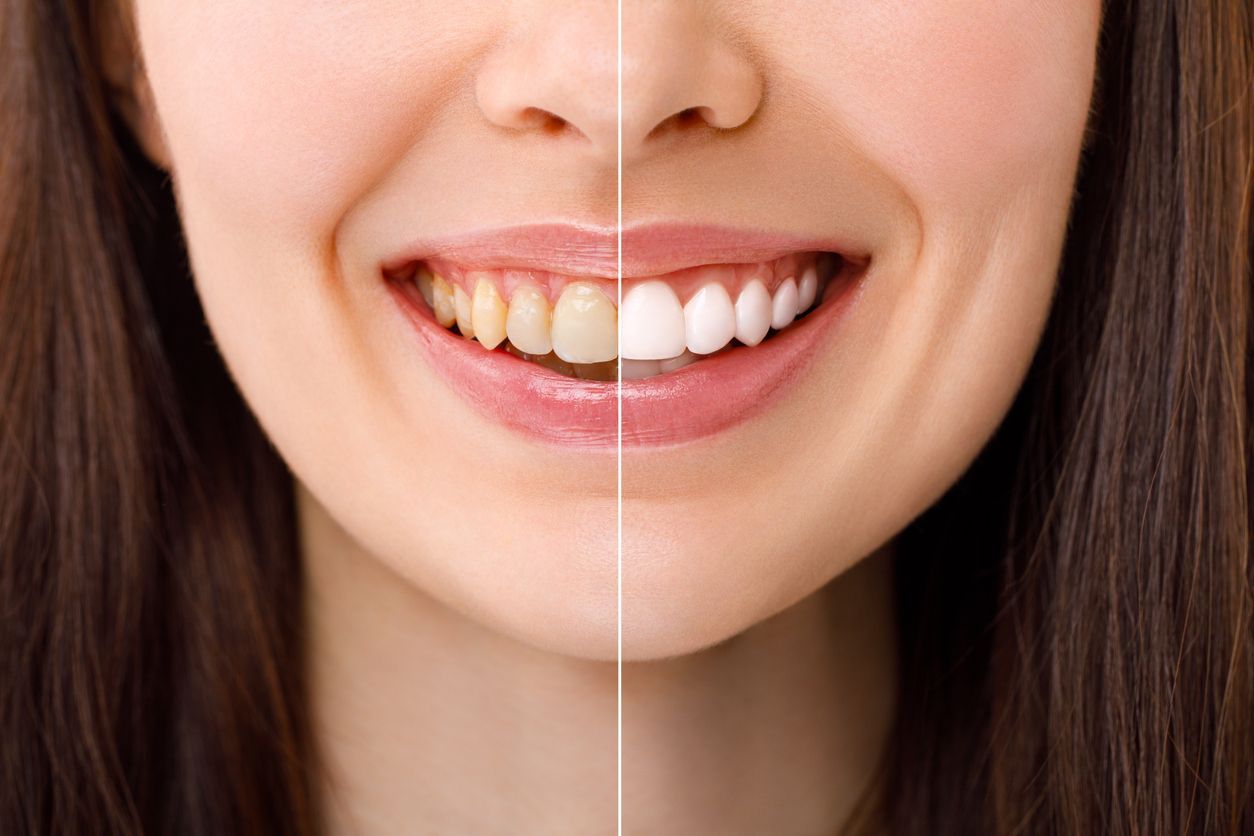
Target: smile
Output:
[(698, 347)]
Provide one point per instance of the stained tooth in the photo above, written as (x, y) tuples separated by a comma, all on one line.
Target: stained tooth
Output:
[(651, 322), (442, 302), (585, 325), (685, 359), (464, 311), (528, 322), (637, 369), (807, 289), (784, 305), (489, 314), (753, 313), (709, 319), (423, 280)]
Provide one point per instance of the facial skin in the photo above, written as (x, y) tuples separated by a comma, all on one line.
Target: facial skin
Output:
[(306, 142), (947, 134)]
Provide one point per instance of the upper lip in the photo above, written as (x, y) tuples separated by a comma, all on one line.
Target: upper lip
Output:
[(649, 249)]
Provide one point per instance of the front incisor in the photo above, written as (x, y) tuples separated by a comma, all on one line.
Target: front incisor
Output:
[(489, 315), (529, 321), (585, 325)]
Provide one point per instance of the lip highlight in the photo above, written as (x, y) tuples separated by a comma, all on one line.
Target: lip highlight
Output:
[(690, 403)]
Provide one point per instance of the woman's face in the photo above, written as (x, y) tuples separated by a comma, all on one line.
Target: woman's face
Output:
[(356, 179)]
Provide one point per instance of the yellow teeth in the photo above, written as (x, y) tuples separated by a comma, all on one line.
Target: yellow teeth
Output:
[(442, 302), (489, 315), (424, 281), (529, 321), (465, 315), (585, 325)]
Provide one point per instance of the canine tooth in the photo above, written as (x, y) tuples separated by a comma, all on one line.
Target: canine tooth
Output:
[(753, 313), (423, 280), (488, 314), (807, 289), (585, 325), (528, 321), (784, 305), (442, 302), (709, 319), (464, 311), (685, 359), (651, 322), (637, 369)]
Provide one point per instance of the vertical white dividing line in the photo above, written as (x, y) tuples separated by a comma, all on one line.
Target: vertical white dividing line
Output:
[(619, 555)]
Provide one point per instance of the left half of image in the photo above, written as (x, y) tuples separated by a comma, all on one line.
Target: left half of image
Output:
[(308, 417)]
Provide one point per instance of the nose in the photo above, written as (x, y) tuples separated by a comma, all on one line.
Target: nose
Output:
[(681, 75), (557, 76)]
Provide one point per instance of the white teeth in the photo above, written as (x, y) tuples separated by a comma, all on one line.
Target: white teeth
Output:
[(808, 289), (529, 320), (637, 369), (585, 325), (651, 322), (784, 305), (753, 313), (709, 319), (685, 359)]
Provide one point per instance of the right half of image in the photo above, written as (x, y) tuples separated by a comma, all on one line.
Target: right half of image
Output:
[(935, 346)]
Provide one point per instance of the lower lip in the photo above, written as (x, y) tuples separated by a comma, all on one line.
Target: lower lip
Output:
[(695, 402)]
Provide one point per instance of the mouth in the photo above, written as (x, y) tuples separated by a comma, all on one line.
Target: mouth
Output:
[(711, 325)]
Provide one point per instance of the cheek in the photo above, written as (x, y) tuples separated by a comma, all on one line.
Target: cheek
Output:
[(961, 99), (282, 112)]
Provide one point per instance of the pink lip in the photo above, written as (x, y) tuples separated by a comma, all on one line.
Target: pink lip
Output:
[(648, 250), (695, 402)]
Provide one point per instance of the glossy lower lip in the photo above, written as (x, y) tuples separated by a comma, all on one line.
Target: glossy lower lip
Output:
[(696, 402)]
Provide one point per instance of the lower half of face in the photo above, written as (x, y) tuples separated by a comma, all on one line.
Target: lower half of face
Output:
[(822, 313)]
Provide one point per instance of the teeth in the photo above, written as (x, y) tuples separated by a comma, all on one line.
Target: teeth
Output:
[(529, 320), (709, 319), (652, 322), (753, 313), (808, 289), (489, 314), (442, 302), (784, 305), (464, 311), (423, 280), (581, 334), (585, 325)]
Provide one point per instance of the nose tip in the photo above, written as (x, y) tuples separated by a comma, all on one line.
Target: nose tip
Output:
[(673, 85), (558, 79)]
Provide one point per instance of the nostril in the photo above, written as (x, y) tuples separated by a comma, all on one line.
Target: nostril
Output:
[(550, 123), (684, 121)]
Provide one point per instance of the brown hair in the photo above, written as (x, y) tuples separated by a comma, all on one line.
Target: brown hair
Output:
[(150, 676), (1078, 652), (1075, 613)]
